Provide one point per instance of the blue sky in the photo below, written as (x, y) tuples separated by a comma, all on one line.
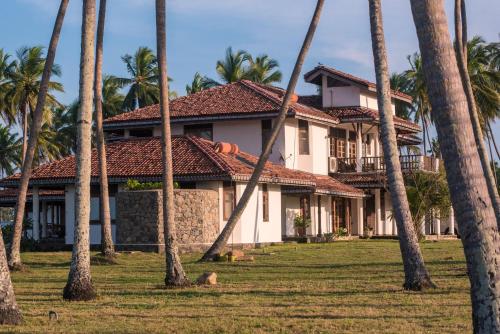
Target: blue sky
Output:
[(200, 30)]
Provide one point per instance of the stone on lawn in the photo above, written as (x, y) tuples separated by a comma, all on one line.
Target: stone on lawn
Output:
[(209, 278)]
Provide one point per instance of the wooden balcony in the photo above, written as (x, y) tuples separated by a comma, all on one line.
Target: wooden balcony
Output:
[(376, 164)]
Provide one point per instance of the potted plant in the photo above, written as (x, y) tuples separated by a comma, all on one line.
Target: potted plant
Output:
[(368, 232), (329, 237), (301, 224)]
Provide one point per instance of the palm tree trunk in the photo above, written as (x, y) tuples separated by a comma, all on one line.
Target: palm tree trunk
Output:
[(29, 154), (9, 311), (460, 23), (25, 131), (424, 128), (222, 239), (79, 285), (468, 190), (493, 165), (175, 275), (107, 247), (416, 275)]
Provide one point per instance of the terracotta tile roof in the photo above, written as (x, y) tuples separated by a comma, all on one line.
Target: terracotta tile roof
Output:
[(353, 78), (240, 99), (349, 114), (10, 195), (193, 159)]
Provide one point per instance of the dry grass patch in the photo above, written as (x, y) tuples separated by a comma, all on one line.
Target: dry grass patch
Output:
[(347, 287)]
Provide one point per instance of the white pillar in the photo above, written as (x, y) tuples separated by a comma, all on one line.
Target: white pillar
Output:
[(378, 214), (437, 223), (359, 148), (35, 198), (452, 222), (360, 217), (44, 219)]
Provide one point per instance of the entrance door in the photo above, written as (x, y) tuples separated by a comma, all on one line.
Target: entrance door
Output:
[(370, 212)]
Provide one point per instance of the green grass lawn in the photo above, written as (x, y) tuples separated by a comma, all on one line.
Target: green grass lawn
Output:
[(343, 287)]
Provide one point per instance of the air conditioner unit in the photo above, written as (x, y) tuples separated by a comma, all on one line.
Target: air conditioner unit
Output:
[(333, 164)]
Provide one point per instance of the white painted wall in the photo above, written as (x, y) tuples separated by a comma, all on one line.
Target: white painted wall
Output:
[(340, 96), (292, 209)]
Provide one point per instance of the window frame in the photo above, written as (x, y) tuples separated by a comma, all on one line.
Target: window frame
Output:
[(197, 129), (265, 203), (266, 127), (228, 188), (304, 141)]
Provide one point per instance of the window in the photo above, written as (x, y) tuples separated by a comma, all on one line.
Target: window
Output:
[(229, 199), (367, 145), (305, 207), (141, 133), (200, 130), (266, 126), (265, 203), (303, 137), (337, 143)]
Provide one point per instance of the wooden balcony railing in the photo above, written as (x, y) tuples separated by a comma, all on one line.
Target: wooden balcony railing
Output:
[(376, 164)]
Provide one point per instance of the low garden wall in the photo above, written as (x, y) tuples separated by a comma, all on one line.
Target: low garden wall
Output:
[(139, 221)]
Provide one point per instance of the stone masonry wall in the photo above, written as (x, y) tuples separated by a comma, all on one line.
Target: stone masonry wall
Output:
[(139, 221)]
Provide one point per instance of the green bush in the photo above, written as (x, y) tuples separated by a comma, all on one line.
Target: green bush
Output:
[(341, 232), (27, 242), (301, 222)]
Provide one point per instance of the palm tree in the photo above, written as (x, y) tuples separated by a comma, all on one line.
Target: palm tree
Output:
[(461, 51), (6, 66), (9, 311), (416, 275), (112, 100), (27, 83), (79, 285), (222, 239), (476, 218), (233, 68), (10, 146), (107, 247), (175, 275), (263, 69), (25, 86), (200, 83), (399, 82), (64, 126), (143, 81)]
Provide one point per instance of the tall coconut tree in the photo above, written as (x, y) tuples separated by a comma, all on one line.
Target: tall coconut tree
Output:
[(142, 82), (10, 146), (107, 246), (79, 285), (25, 89), (175, 275), (222, 239), (233, 67), (461, 53), (416, 275), (475, 215), (112, 100), (9, 311), (25, 86), (200, 83), (264, 70), (6, 65)]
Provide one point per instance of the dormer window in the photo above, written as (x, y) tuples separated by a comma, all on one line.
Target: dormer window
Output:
[(200, 130)]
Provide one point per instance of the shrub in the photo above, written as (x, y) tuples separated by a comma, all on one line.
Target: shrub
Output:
[(341, 232), (136, 185), (301, 222)]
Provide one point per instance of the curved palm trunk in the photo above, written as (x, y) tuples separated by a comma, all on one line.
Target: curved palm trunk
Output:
[(79, 285), (25, 131), (416, 275), (460, 49), (222, 239), (29, 154), (175, 275), (469, 194), (9, 311), (107, 247), (493, 140)]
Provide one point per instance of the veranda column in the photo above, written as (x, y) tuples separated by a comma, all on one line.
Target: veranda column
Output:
[(378, 214), (452, 222), (44, 219), (437, 223), (359, 148), (422, 225), (36, 213), (361, 215)]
